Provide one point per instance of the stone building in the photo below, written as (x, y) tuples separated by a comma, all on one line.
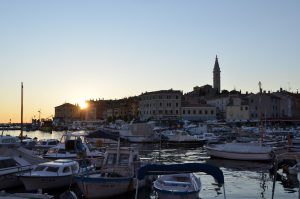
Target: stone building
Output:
[(67, 112), (264, 106), (163, 104), (237, 109), (198, 112)]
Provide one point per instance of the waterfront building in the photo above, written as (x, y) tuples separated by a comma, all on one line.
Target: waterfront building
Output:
[(220, 102), (198, 112), (264, 106), (237, 109), (163, 104), (67, 112)]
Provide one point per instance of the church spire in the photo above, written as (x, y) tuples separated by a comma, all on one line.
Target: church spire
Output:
[(216, 67), (217, 76)]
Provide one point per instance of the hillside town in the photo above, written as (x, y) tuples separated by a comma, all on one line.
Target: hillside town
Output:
[(203, 103)]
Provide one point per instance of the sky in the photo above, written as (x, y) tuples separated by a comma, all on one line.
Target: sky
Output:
[(72, 51)]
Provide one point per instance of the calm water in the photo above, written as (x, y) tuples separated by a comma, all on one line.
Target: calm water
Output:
[(242, 179)]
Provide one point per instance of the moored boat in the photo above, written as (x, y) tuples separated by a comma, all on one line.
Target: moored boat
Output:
[(116, 177), (241, 151), (50, 175), (177, 186)]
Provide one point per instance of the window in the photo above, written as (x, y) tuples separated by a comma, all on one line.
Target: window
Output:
[(39, 168), (241, 108), (176, 104), (7, 163), (66, 170), (189, 112), (176, 111), (200, 112), (205, 112), (124, 159), (212, 112), (246, 108), (52, 169), (111, 159), (183, 112), (194, 112)]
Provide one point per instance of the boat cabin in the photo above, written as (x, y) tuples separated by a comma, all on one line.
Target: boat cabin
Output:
[(46, 143), (60, 167), (7, 140)]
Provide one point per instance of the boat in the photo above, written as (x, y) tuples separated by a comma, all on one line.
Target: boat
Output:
[(9, 167), (184, 185), (4, 195), (295, 169), (139, 133), (117, 175), (51, 175), (180, 137), (177, 181), (45, 144), (72, 146), (7, 140), (241, 151)]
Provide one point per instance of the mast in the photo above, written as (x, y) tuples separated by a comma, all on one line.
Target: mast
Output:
[(21, 112)]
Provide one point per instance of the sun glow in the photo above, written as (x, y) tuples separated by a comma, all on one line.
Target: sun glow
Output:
[(83, 105)]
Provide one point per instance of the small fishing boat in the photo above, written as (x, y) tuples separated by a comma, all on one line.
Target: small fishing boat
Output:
[(184, 185), (117, 175), (73, 145), (9, 168), (177, 181), (241, 151), (180, 137), (50, 175)]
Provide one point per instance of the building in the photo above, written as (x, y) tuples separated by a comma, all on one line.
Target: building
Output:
[(264, 106), (67, 112), (220, 102), (163, 104), (237, 109), (217, 76), (198, 112)]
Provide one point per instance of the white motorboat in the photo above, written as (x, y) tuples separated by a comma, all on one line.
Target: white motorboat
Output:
[(7, 140), (73, 145), (116, 177), (177, 181), (139, 133), (180, 137), (45, 144), (50, 175), (9, 168), (176, 186), (241, 151)]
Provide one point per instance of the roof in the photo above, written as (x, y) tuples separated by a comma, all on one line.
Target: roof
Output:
[(162, 92), (66, 104)]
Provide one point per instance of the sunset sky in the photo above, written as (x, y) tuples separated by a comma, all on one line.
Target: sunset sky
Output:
[(71, 51)]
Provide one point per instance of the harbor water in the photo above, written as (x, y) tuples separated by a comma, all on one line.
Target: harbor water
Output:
[(243, 179)]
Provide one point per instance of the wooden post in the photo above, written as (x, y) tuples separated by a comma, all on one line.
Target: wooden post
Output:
[(21, 112)]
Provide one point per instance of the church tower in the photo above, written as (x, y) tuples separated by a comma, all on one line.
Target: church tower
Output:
[(217, 76)]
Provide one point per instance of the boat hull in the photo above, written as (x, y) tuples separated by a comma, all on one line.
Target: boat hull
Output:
[(104, 187), (239, 156), (46, 182), (9, 181), (170, 195)]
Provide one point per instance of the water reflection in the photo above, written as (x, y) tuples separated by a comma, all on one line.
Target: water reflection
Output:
[(243, 179)]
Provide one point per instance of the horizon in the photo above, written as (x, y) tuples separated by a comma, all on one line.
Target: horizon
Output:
[(73, 51)]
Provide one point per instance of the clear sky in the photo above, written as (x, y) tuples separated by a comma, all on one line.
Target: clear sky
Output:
[(69, 51)]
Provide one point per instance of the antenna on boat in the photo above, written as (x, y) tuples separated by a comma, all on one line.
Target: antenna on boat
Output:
[(21, 112)]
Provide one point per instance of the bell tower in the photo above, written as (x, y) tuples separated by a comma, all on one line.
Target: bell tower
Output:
[(217, 76)]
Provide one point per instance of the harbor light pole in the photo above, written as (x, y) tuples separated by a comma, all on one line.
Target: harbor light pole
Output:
[(21, 112)]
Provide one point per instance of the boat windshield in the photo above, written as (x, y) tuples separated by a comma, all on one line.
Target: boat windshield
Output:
[(124, 159), (39, 168), (7, 163), (52, 169)]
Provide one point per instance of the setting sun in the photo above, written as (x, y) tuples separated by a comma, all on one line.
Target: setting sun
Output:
[(83, 105)]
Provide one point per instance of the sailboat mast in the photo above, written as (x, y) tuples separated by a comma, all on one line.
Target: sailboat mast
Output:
[(21, 112)]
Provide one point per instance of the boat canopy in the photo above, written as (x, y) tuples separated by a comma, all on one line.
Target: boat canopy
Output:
[(161, 169)]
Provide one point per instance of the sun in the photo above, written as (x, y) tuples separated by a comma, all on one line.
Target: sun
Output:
[(83, 105)]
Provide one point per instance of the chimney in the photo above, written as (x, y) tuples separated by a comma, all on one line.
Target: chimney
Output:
[(280, 89)]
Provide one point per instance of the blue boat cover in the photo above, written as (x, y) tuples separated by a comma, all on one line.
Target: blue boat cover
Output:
[(161, 169)]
